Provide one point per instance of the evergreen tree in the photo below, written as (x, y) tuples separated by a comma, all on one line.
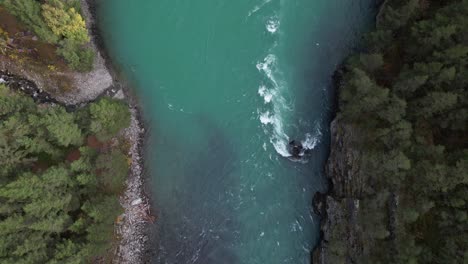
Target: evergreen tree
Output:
[(409, 111), (55, 209), (108, 117)]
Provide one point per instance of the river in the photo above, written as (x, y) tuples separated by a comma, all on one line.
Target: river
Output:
[(225, 86)]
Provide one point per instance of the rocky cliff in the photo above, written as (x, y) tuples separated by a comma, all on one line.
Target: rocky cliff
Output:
[(340, 227)]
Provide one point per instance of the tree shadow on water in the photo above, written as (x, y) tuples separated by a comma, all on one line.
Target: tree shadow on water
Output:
[(337, 35), (202, 227)]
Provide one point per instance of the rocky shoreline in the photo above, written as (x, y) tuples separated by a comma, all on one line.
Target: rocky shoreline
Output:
[(132, 228), (133, 224), (339, 208), (341, 239), (339, 205)]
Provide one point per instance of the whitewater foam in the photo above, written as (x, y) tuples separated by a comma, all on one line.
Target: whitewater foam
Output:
[(273, 25), (267, 65), (277, 108), (310, 142), (266, 118), (273, 117), (258, 7), (280, 146), (266, 94)]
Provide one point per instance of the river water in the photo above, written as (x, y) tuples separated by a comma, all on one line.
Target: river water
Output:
[(225, 85)]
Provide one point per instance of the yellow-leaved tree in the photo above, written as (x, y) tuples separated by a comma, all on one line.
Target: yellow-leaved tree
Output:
[(3, 41), (66, 23)]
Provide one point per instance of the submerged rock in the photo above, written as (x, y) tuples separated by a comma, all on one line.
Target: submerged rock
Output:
[(299, 150), (296, 149)]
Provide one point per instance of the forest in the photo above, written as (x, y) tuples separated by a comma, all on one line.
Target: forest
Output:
[(61, 175), (406, 95), (56, 22)]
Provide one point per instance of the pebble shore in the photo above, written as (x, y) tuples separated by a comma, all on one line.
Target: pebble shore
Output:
[(132, 227)]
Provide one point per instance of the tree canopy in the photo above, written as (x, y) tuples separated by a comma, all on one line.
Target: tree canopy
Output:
[(58, 194), (407, 94), (58, 22)]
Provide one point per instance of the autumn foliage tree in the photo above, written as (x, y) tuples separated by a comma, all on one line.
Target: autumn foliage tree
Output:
[(58, 22), (65, 23)]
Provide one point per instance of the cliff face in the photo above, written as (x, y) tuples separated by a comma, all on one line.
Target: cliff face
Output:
[(341, 228), (341, 233)]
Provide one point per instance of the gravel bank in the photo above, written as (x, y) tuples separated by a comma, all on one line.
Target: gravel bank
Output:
[(89, 85), (133, 225), (134, 222)]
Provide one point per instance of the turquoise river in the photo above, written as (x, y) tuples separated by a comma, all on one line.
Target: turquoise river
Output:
[(224, 86)]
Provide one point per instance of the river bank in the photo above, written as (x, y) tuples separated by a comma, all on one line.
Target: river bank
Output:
[(103, 80), (133, 226), (398, 149), (221, 80), (338, 208)]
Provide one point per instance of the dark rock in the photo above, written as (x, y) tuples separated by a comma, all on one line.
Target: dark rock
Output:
[(319, 203), (27, 87), (339, 208), (296, 149)]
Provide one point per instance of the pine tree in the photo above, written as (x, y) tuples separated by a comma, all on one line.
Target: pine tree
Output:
[(108, 117)]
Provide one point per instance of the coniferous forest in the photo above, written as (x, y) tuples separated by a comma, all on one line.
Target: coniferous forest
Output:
[(63, 163), (407, 99), (402, 111), (61, 174)]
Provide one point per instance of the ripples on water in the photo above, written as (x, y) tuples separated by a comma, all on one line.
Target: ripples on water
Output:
[(273, 90), (225, 85)]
